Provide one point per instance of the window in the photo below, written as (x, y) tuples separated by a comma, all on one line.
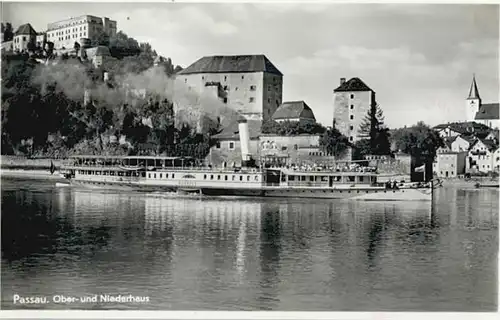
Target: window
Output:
[(185, 80), (225, 78), (241, 178), (231, 145), (225, 100), (253, 88), (352, 106), (268, 100), (149, 175), (218, 177), (204, 176), (154, 175), (235, 88), (242, 77), (161, 175), (217, 145), (352, 96), (351, 138), (248, 178), (234, 177), (173, 175), (225, 177), (351, 127), (352, 117), (295, 147), (202, 77), (252, 99), (268, 88)]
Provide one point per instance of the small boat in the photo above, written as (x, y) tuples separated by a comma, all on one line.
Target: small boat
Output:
[(492, 184), (62, 185)]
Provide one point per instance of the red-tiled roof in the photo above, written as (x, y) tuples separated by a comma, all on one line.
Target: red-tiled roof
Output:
[(488, 111), (228, 64), (293, 110), (354, 84)]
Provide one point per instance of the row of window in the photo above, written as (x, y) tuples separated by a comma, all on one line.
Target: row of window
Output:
[(316, 154), (226, 177), (325, 178), (160, 175), (72, 36)]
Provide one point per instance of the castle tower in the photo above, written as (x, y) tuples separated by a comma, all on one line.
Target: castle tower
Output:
[(473, 101), (351, 103)]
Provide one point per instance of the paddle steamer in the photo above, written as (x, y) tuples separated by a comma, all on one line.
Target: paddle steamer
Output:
[(173, 174)]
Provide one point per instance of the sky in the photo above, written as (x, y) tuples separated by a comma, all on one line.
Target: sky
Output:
[(418, 58)]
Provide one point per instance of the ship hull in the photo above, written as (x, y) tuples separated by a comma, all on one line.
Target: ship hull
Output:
[(362, 194)]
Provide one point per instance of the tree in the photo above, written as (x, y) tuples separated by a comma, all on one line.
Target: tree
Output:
[(334, 143), (419, 141), (373, 130), (8, 32)]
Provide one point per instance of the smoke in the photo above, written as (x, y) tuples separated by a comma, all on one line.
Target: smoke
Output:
[(72, 79)]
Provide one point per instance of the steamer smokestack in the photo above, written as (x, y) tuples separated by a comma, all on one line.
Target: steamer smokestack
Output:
[(244, 141)]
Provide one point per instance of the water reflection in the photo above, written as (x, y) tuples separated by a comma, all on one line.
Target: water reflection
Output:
[(252, 254)]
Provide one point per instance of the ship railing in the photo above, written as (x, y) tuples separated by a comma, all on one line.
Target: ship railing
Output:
[(152, 168)]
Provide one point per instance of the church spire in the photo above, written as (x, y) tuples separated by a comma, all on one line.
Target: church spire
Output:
[(473, 92)]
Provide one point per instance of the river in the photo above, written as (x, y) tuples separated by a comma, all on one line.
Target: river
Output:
[(191, 253)]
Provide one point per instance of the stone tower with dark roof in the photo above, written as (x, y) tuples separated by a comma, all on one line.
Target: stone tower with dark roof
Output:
[(473, 101), (352, 101), (250, 85)]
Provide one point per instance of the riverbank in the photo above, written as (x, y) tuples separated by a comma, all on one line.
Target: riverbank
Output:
[(17, 162), (30, 174)]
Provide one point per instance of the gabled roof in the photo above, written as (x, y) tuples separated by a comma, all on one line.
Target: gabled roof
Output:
[(231, 132), (488, 111), (473, 91), (228, 64), (448, 141), (354, 84), (494, 134), (490, 144), (25, 29), (470, 139), (293, 110)]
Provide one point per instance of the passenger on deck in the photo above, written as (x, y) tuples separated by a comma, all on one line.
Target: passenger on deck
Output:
[(395, 185)]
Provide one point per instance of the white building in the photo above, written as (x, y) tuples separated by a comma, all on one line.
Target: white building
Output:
[(462, 143), (66, 32), (449, 164), (482, 156), (24, 36)]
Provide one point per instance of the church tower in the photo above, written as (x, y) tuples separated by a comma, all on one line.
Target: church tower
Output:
[(473, 101)]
